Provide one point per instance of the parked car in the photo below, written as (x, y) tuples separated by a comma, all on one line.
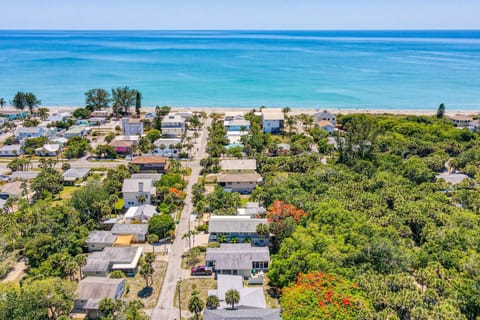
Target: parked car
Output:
[(201, 271)]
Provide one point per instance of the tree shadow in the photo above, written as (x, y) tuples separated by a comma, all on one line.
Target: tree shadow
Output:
[(145, 292)]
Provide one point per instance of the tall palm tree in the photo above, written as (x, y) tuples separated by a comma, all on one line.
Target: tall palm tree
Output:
[(31, 101), (3, 102), (232, 297), (196, 305), (81, 261), (152, 238), (97, 99), (262, 230)]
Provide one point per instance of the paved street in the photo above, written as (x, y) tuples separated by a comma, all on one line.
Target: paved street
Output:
[(165, 309)]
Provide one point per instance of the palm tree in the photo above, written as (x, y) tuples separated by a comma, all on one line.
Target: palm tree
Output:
[(149, 258), (3, 102), (232, 297), (212, 302), (195, 305), (152, 238), (25, 190), (146, 271), (81, 261), (285, 112), (19, 101), (141, 199), (222, 238), (31, 101)]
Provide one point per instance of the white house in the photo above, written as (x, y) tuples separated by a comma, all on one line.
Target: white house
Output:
[(30, 132), (142, 213), (11, 150), (173, 125), (272, 120), (134, 189), (167, 147), (48, 150), (325, 116), (132, 127)]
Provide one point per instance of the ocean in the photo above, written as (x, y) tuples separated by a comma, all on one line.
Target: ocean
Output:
[(309, 69)]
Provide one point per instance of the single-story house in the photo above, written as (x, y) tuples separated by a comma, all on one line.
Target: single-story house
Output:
[(460, 120), (151, 163), (75, 131), (252, 209), (11, 150), (134, 189), (167, 147), (326, 125), (325, 116), (59, 140), (142, 213), (99, 240), (11, 190), (59, 117), (96, 121), (123, 146), (452, 178), (238, 259), (24, 175), (74, 174), (242, 314), (14, 114), (241, 228), (101, 113), (92, 290), (101, 263), (239, 182), (138, 231), (272, 120), (152, 176), (238, 165), (30, 132), (250, 297), (48, 150)]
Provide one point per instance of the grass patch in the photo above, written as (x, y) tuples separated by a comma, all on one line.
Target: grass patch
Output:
[(149, 296), (243, 200), (187, 286), (200, 260), (67, 192)]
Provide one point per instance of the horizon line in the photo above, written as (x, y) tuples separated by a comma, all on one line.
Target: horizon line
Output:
[(269, 29)]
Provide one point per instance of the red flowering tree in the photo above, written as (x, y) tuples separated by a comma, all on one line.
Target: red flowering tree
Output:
[(283, 218), (322, 296)]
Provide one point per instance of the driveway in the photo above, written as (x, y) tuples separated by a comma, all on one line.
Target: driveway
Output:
[(165, 309)]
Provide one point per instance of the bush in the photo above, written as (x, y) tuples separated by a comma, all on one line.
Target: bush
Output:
[(161, 225), (117, 274), (202, 228), (214, 245)]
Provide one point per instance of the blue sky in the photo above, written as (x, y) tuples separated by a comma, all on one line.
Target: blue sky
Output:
[(240, 14)]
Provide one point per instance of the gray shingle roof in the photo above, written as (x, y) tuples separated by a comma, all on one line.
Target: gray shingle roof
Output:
[(101, 261), (94, 289), (152, 176), (242, 314), (101, 237), (234, 224), (24, 175), (75, 173), (125, 228), (238, 256), (238, 164), (250, 297), (239, 177), (133, 185)]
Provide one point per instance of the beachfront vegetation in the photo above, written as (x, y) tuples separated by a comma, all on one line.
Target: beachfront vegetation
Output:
[(81, 113), (403, 243), (123, 98), (97, 99)]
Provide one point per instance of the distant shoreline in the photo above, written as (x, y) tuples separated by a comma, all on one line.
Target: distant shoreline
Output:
[(294, 111)]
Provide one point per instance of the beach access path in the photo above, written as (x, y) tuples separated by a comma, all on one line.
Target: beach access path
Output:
[(165, 310)]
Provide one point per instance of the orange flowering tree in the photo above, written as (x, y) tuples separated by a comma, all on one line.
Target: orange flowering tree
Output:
[(319, 295), (283, 218)]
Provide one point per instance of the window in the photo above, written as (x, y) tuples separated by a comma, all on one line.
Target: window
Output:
[(260, 265)]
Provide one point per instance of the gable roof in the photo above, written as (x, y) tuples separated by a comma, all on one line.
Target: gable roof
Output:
[(238, 164), (112, 257), (147, 211), (24, 175), (152, 176), (126, 228), (237, 256), (272, 114), (75, 173), (325, 123), (234, 224), (97, 288)]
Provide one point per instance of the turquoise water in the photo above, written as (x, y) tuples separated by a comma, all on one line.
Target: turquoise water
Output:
[(368, 70)]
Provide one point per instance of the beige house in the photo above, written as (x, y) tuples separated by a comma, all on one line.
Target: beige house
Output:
[(239, 182)]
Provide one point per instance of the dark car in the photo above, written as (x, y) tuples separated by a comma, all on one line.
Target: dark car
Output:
[(201, 271)]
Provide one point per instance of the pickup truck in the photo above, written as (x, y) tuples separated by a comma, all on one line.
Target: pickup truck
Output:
[(201, 271)]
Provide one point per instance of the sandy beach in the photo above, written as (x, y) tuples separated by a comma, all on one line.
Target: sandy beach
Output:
[(294, 111)]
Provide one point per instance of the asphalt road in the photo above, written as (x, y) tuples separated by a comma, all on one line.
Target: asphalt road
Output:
[(165, 310)]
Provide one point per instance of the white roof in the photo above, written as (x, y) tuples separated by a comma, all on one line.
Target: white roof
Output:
[(272, 114), (133, 185), (238, 164)]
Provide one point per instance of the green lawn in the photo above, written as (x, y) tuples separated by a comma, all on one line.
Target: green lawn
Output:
[(67, 192)]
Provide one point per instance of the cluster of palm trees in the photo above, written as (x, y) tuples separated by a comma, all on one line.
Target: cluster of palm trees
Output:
[(196, 305), (122, 99)]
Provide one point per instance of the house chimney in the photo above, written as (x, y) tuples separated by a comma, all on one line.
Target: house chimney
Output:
[(140, 187)]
